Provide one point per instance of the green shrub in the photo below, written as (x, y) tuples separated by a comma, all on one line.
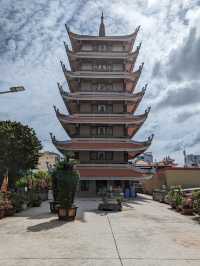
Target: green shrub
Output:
[(17, 201), (64, 182)]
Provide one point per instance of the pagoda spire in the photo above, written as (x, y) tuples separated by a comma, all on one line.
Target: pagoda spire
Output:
[(102, 31)]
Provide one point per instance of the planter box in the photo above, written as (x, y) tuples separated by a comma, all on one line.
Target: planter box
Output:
[(178, 208), (187, 211), (159, 195), (67, 214), (173, 205), (109, 206)]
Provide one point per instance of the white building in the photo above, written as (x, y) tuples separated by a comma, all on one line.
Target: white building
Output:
[(191, 160)]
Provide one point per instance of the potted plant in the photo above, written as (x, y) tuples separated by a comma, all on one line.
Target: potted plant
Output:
[(187, 205), (67, 180), (174, 197), (18, 201), (110, 202), (179, 200), (34, 199), (196, 201), (54, 204)]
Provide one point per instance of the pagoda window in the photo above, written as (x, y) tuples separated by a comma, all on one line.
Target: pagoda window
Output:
[(76, 155), (110, 131), (86, 47), (84, 185), (93, 155), (118, 48), (109, 108), (100, 86), (101, 108), (102, 67), (94, 86), (109, 67), (125, 156), (93, 131), (109, 48), (109, 155), (101, 131), (105, 131), (102, 47), (118, 67), (101, 155), (109, 86), (86, 66)]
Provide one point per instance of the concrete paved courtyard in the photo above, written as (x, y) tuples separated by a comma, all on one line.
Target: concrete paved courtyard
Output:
[(144, 233)]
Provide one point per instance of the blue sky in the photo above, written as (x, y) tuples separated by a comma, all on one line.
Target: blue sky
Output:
[(31, 45)]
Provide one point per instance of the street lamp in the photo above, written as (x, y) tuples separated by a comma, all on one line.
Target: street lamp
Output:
[(13, 89)]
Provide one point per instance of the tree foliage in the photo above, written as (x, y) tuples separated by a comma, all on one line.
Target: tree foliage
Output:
[(19, 148)]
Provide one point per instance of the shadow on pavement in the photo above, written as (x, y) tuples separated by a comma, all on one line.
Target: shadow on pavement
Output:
[(196, 219), (85, 206), (46, 226), (128, 204)]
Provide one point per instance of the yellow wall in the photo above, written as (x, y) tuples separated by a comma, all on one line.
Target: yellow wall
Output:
[(185, 178), (153, 183)]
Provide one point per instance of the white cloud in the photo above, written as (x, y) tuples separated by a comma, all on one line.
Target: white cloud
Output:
[(31, 46)]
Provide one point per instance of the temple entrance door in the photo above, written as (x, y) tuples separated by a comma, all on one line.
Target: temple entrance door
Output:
[(101, 185)]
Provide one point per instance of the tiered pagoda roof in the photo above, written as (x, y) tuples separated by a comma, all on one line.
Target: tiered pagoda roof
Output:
[(128, 59), (76, 39), (72, 100), (102, 60), (134, 148), (130, 79), (110, 172)]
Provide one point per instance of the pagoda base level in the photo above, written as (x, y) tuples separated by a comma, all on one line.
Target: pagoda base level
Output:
[(94, 188), (95, 179)]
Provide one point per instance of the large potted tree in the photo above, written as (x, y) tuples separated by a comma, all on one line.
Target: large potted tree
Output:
[(66, 184)]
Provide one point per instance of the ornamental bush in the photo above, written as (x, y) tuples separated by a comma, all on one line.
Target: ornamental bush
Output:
[(19, 149)]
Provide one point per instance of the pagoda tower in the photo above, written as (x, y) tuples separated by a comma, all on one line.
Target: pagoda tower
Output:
[(101, 105)]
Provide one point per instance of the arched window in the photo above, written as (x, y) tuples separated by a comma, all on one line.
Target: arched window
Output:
[(101, 108), (101, 131), (101, 155)]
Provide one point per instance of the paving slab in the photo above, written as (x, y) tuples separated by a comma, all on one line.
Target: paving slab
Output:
[(144, 233)]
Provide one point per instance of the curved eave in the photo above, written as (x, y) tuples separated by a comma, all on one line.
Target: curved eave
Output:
[(102, 55), (100, 119), (130, 147), (132, 155), (132, 98), (133, 76), (109, 172), (74, 37), (127, 60)]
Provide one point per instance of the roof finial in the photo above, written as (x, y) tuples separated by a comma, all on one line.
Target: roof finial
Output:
[(102, 31)]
